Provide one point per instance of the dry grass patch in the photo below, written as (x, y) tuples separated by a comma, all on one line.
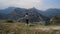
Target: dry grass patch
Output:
[(22, 28)]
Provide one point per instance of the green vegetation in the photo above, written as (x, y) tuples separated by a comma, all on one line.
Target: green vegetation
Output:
[(55, 20), (9, 21)]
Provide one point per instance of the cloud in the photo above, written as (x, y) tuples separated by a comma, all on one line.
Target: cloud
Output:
[(39, 4), (20, 3)]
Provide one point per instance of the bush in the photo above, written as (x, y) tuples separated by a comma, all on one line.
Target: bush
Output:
[(10, 21)]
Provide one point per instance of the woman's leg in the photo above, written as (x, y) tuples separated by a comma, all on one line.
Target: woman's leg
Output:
[(27, 21)]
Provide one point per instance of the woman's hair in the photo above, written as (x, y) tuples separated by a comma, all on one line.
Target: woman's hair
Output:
[(26, 13)]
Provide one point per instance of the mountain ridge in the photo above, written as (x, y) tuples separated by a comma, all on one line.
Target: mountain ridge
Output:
[(20, 12)]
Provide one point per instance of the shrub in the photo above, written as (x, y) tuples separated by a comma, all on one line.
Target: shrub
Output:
[(10, 21)]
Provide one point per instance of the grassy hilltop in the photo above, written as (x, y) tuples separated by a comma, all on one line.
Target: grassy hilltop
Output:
[(22, 28)]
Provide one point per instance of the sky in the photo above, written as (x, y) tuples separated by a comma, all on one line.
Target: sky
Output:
[(39, 4)]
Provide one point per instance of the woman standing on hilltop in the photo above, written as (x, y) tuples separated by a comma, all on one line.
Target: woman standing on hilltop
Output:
[(27, 18)]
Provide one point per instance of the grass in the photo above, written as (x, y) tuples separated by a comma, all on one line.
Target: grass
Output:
[(22, 28)]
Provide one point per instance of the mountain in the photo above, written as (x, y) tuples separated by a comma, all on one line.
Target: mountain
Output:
[(51, 12), (34, 15), (3, 16), (7, 10), (4, 12), (16, 13)]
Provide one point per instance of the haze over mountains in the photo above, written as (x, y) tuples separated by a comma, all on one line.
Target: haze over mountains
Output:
[(16, 13)]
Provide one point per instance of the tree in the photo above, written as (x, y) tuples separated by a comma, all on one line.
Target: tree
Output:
[(55, 19)]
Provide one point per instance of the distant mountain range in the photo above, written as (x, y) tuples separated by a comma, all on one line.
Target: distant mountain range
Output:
[(35, 14), (7, 10), (51, 12)]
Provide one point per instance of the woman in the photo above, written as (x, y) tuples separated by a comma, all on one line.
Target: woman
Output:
[(26, 17)]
